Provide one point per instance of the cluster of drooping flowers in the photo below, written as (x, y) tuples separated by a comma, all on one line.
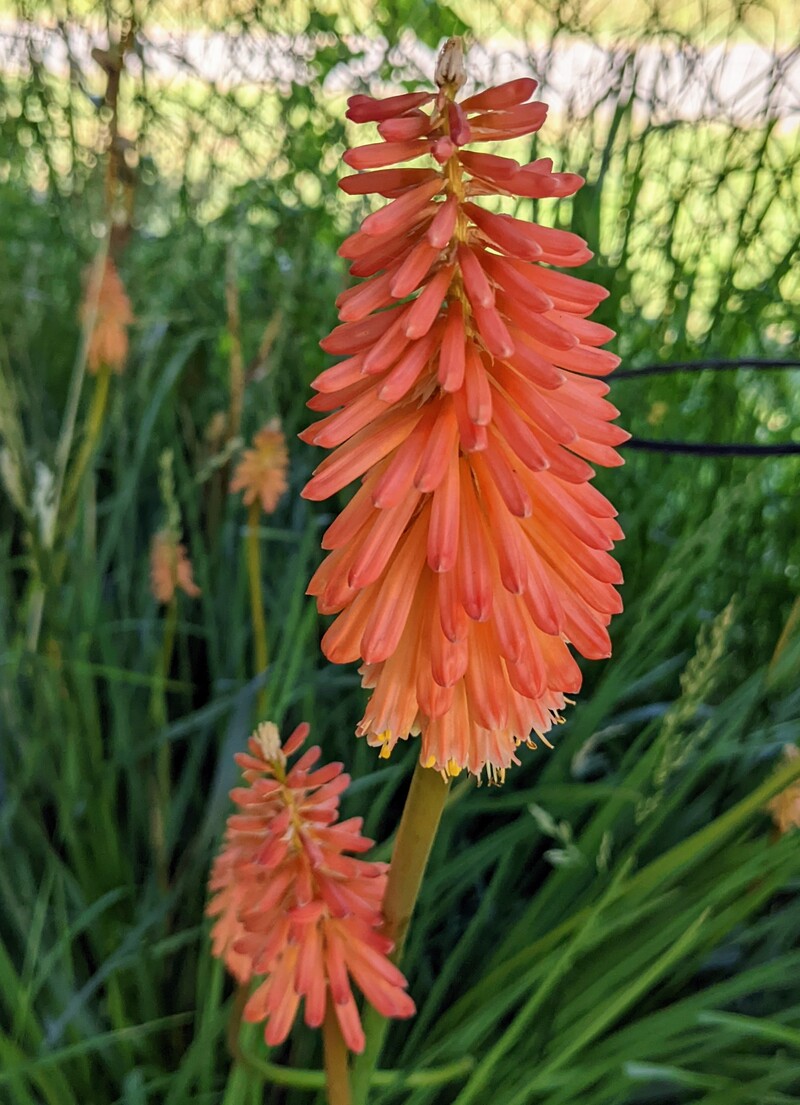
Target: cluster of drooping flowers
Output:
[(469, 405), (291, 905)]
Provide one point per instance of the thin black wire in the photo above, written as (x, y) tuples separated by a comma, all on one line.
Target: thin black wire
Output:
[(719, 364), (709, 449), (699, 448)]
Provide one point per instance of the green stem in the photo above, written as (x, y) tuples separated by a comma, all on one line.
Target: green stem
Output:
[(236, 360), (303, 1079), (423, 810), (787, 633), (158, 700), (64, 446), (261, 655), (159, 810), (79, 371), (35, 613), (94, 426), (337, 1069)]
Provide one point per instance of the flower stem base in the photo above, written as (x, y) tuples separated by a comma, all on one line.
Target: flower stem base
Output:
[(426, 800)]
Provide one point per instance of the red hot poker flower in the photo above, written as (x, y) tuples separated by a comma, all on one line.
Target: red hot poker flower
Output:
[(291, 905), (470, 404), (261, 472), (108, 341), (170, 568)]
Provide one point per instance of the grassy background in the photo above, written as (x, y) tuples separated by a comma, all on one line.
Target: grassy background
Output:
[(618, 923)]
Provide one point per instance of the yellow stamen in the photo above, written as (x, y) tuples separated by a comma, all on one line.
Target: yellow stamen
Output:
[(385, 741)]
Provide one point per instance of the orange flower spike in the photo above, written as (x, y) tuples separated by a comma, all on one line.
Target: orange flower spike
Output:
[(170, 568), (108, 341), (469, 406), (291, 907), (261, 472)]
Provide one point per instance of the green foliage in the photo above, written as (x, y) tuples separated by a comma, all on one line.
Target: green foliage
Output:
[(617, 923)]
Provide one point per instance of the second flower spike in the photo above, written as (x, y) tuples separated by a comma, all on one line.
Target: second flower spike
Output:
[(470, 405), (295, 907)]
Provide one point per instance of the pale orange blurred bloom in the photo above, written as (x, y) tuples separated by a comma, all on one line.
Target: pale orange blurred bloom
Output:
[(261, 472), (292, 908), (108, 341), (170, 568), (474, 554), (785, 807)]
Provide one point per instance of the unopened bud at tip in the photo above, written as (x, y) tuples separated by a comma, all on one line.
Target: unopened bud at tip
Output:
[(450, 70)]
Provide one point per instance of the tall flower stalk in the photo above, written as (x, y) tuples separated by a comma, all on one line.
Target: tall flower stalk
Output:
[(470, 561), (105, 311), (415, 836), (105, 315), (257, 617), (170, 572), (469, 404)]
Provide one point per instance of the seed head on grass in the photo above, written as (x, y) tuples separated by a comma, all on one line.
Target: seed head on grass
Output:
[(261, 472), (108, 341), (292, 907), (470, 405)]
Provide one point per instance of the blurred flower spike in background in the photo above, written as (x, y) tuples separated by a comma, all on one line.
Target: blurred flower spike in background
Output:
[(170, 568), (261, 472), (108, 341), (292, 908), (470, 405), (785, 807)]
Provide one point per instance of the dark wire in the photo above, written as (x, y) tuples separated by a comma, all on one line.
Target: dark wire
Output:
[(700, 448), (718, 364), (708, 449)]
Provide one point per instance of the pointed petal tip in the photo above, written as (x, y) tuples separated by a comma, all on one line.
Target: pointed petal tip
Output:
[(311, 493)]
